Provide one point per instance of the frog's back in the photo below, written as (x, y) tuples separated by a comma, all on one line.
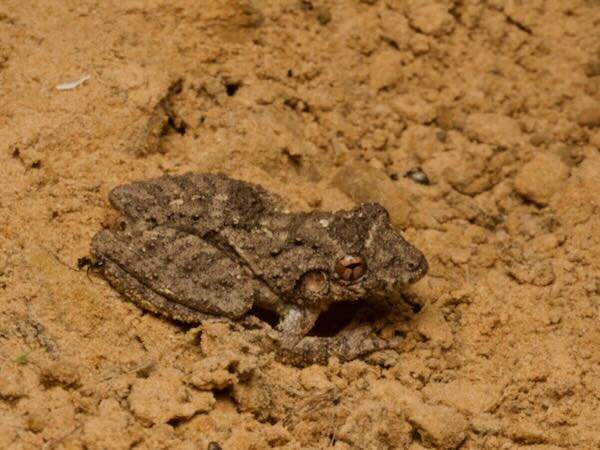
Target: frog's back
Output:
[(193, 202)]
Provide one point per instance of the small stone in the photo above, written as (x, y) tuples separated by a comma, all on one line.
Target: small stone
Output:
[(541, 177), (419, 44), (418, 175), (589, 117), (36, 422), (495, 129), (247, 15), (449, 118), (323, 15), (592, 69), (385, 70), (213, 445), (431, 18), (414, 107), (538, 140)]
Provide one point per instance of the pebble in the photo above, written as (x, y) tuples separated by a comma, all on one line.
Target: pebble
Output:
[(417, 175), (589, 117), (413, 107), (538, 139), (385, 70), (541, 177), (431, 18), (495, 129), (323, 15)]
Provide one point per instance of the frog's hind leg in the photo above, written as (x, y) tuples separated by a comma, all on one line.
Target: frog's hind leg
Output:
[(147, 299), (349, 344)]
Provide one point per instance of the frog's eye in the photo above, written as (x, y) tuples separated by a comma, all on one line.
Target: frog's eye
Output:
[(351, 267)]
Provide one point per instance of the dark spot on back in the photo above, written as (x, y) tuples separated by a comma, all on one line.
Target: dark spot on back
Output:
[(245, 205)]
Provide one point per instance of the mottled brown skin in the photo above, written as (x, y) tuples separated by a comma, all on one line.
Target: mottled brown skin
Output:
[(200, 246)]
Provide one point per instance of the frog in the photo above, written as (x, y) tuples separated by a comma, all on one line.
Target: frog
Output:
[(203, 246)]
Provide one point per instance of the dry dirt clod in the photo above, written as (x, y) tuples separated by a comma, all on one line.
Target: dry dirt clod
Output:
[(541, 178)]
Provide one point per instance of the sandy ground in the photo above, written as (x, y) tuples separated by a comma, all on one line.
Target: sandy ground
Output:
[(327, 103)]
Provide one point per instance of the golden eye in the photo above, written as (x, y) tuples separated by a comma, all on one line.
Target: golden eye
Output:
[(350, 267)]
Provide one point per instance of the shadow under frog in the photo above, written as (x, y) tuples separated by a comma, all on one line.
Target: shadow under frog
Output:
[(199, 246)]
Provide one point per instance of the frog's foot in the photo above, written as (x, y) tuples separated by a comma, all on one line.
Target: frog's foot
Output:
[(347, 345)]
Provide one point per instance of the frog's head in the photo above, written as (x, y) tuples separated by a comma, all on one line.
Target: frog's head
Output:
[(374, 260)]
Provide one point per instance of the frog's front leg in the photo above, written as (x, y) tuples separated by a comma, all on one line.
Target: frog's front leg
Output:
[(298, 349), (295, 323)]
